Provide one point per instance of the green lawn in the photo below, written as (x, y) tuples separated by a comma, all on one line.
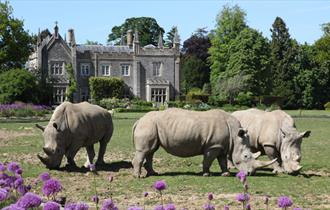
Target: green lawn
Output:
[(187, 188)]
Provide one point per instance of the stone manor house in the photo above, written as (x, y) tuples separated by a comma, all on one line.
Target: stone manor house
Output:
[(151, 72)]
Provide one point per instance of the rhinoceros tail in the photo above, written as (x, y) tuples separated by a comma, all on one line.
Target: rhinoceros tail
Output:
[(133, 129)]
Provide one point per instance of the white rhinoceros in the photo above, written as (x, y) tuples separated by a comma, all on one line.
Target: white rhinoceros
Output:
[(214, 134), (73, 126), (274, 134)]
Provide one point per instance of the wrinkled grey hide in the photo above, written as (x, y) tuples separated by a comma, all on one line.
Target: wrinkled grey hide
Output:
[(274, 134), (73, 126), (214, 134)]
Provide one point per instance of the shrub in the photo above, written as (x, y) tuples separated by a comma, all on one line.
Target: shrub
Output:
[(17, 84), (112, 103), (140, 102), (245, 99), (23, 110), (327, 106), (105, 87), (197, 94)]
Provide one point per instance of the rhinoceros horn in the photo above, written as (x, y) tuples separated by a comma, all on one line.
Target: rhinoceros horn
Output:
[(261, 164), (43, 160), (40, 127), (48, 151), (256, 155)]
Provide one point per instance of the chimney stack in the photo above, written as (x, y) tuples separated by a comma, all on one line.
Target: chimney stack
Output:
[(71, 38), (56, 30), (130, 38)]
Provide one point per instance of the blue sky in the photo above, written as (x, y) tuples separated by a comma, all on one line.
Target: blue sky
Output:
[(93, 19)]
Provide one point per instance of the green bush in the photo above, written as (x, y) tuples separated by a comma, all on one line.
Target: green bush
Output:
[(197, 94), (327, 106), (136, 109), (106, 87), (245, 99), (140, 102), (17, 85), (177, 104), (112, 103), (23, 110)]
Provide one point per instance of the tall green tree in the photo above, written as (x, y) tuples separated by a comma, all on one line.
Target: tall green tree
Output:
[(15, 42), (283, 53), (72, 89), (230, 22), (170, 37), (194, 65), (147, 27)]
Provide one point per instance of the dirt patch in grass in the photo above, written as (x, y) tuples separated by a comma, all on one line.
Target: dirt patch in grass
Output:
[(6, 135)]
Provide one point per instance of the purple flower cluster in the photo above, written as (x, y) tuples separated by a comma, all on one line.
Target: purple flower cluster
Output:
[(241, 197), (284, 201), (70, 206), (92, 167), (4, 193), (210, 196), (44, 176), (51, 187), (226, 207), (208, 207), (81, 206), (241, 176), (13, 167), (170, 206), (6, 107), (159, 207), (51, 205), (108, 204), (160, 185), (29, 200)]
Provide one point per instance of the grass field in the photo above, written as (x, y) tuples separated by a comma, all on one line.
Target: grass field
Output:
[(20, 141)]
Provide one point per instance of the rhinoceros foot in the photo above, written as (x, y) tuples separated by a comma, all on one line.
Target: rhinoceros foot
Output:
[(206, 174), (225, 174)]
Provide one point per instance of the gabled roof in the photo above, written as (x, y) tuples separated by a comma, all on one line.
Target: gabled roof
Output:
[(157, 82), (101, 48)]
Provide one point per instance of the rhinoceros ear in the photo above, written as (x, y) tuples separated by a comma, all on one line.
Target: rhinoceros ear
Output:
[(241, 132), (305, 134)]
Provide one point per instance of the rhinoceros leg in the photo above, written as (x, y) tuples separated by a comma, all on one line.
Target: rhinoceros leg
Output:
[(272, 153), (103, 147), (70, 154), (137, 163), (148, 164), (209, 156), (90, 155), (223, 163)]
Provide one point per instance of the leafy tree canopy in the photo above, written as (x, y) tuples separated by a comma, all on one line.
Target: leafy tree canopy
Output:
[(147, 27), (15, 42)]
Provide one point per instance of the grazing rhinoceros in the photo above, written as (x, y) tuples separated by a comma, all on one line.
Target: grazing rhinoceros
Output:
[(73, 126), (214, 134), (274, 134)]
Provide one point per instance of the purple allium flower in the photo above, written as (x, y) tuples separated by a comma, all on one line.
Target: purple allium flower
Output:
[(18, 182), (248, 207), (44, 176), (297, 208), (12, 167), (159, 207), (284, 201), (242, 197), (22, 189), (2, 167), (226, 207), (145, 194), (70, 206), (51, 205), (3, 194), (241, 176), (91, 167), (170, 206), (108, 204), (51, 187), (134, 208), (210, 196), (208, 207), (13, 207), (95, 199), (160, 185), (29, 200), (81, 206), (19, 171)]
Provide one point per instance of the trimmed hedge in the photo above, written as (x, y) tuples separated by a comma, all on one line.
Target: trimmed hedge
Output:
[(106, 87)]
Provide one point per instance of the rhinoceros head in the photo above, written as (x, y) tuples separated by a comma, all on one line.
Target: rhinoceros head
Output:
[(291, 149), (54, 148), (243, 158)]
